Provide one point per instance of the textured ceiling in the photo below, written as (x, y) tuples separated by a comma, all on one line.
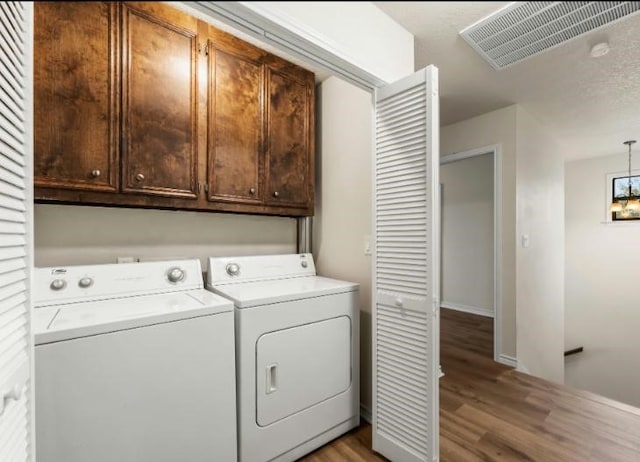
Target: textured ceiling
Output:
[(592, 105)]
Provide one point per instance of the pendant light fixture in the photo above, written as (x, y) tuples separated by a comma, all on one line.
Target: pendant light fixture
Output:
[(626, 204)]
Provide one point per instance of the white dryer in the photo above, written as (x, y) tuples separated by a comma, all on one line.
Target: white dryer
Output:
[(297, 354), (134, 363)]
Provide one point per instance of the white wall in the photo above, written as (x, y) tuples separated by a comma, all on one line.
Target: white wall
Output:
[(343, 206), (76, 235), (467, 234), (602, 308), (497, 127), (358, 32), (540, 265)]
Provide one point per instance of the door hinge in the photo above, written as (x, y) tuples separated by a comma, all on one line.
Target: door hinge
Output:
[(206, 49), (199, 47)]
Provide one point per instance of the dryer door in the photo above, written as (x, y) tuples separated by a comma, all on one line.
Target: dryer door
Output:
[(301, 366)]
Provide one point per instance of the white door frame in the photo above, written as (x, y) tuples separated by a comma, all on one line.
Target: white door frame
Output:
[(496, 150)]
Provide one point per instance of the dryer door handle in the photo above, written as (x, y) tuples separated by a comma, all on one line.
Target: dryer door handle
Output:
[(272, 378)]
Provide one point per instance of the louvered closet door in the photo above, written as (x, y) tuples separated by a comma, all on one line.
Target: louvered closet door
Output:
[(16, 38), (406, 270)]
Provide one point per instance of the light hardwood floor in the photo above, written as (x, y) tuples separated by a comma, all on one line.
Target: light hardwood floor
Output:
[(490, 412)]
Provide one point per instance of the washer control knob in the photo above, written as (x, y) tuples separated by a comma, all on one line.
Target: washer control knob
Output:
[(175, 275), (58, 284), (304, 264), (233, 269), (85, 282)]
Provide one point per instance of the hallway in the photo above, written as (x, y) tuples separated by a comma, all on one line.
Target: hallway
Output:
[(490, 412)]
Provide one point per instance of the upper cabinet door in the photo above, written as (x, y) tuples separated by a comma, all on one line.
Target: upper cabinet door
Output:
[(235, 120), (75, 95), (290, 138), (159, 86)]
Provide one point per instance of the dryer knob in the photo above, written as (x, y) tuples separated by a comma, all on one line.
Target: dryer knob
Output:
[(233, 269), (175, 275)]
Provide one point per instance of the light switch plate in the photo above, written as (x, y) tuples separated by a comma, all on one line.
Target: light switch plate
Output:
[(367, 244)]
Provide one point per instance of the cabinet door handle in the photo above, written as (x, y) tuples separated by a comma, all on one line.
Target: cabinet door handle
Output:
[(275, 194), (95, 173), (139, 177), (252, 191)]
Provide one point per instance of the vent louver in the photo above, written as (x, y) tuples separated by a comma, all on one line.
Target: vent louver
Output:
[(521, 30)]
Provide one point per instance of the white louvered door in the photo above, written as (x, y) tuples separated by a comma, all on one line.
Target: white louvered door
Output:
[(406, 269), (16, 209)]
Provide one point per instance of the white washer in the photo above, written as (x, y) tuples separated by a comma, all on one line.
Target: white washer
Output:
[(297, 354), (134, 363)]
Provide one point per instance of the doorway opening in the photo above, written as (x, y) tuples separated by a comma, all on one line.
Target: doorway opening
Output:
[(470, 250)]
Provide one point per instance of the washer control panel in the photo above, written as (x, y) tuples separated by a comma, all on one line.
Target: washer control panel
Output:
[(69, 284)]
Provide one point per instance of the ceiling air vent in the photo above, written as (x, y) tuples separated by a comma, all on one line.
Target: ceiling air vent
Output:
[(521, 30)]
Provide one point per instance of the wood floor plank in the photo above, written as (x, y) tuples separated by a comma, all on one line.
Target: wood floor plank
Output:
[(509, 438), (453, 451), (354, 446), (490, 412), (465, 430)]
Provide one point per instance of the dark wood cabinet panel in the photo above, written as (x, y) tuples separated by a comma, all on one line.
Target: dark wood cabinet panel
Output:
[(159, 85), (75, 95), (235, 127), (289, 132), (139, 104)]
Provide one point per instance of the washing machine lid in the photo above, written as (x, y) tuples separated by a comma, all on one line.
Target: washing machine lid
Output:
[(249, 294), (75, 320)]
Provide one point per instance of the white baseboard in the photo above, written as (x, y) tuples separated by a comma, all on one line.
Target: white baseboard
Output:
[(508, 360), (365, 413), (468, 309), (522, 368)]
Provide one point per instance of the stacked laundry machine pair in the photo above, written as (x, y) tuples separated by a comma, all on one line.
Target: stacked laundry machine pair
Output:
[(138, 362)]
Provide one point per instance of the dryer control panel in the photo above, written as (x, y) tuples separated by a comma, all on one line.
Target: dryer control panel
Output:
[(225, 270)]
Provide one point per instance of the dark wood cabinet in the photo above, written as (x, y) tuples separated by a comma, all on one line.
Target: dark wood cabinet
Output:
[(140, 104), (289, 131), (235, 120), (260, 120), (76, 86), (159, 107)]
